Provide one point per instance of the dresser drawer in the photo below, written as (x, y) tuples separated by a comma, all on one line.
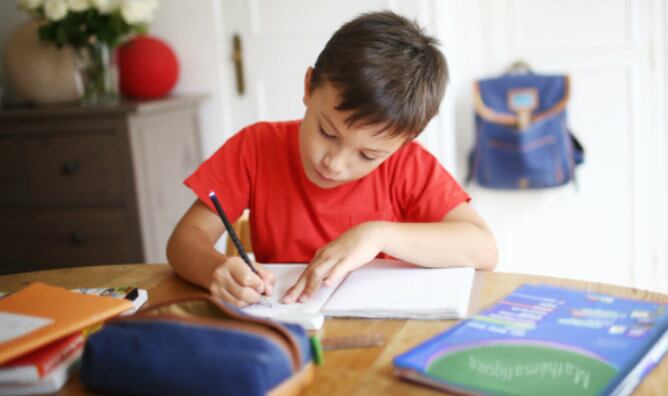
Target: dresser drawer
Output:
[(42, 239), (74, 169), (11, 170)]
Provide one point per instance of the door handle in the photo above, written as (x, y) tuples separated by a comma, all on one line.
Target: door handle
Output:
[(237, 58)]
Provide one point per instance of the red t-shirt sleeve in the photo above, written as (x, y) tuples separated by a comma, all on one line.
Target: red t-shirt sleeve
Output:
[(425, 191), (229, 172)]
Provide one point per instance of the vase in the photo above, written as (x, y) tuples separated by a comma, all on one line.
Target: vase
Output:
[(98, 74), (38, 73)]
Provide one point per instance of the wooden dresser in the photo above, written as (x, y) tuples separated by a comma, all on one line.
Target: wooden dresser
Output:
[(94, 185)]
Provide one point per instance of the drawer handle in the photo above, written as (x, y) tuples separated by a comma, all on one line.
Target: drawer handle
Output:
[(78, 238), (70, 167)]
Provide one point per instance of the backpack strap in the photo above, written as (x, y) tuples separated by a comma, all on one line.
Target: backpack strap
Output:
[(487, 112), (578, 157), (578, 149), (469, 171)]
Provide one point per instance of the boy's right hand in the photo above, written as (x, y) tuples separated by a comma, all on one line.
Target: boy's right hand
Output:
[(235, 283)]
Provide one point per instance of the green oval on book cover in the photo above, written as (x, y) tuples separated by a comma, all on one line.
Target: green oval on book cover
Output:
[(523, 370)]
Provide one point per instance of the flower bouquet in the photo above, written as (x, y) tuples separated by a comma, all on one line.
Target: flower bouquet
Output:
[(93, 28)]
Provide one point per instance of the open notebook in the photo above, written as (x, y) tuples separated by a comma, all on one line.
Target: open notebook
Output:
[(380, 289)]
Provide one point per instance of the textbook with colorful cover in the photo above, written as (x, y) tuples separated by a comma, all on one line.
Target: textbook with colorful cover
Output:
[(544, 340), (40, 314), (379, 289)]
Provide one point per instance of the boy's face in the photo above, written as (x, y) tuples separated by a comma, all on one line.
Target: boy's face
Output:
[(332, 153)]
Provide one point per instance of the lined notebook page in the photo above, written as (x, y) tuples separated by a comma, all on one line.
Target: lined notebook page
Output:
[(394, 289)]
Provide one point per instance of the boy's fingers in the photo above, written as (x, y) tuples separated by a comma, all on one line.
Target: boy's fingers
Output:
[(315, 278), (229, 298), (218, 291), (309, 281), (294, 291), (244, 276), (339, 271), (268, 277), (245, 294)]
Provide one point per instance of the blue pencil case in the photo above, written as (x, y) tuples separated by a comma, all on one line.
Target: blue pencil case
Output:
[(197, 346)]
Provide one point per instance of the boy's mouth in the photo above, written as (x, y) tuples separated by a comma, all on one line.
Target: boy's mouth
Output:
[(323, 177)]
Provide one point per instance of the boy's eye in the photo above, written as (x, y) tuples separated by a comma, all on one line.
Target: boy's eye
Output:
[(325, 134), (366, 157)]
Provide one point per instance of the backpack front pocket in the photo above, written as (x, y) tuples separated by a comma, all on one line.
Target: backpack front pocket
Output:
[(517, 164)]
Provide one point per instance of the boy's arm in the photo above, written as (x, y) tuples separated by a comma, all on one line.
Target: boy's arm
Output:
[(190, 248), (191, 252), (461, 238)]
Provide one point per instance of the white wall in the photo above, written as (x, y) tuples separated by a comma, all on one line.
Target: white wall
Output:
[(193, 29)]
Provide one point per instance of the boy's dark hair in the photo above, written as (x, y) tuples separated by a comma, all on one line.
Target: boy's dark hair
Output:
[(387, 70)]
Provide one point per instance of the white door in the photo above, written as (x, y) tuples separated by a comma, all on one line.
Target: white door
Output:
[(612, 229), (280, 39)]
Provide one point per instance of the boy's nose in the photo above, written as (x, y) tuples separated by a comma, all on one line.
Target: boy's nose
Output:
[(334, 164)]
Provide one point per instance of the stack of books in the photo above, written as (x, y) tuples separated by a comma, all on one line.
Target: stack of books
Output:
[(42, 371), (43, 330)]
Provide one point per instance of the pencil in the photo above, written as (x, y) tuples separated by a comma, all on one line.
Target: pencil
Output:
[(235, 240)]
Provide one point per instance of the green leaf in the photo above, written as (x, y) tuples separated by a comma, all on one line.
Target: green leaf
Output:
[(79, 29)]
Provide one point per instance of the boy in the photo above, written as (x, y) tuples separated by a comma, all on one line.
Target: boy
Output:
[(342, 185)]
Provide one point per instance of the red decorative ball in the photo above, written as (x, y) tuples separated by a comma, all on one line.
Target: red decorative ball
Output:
[(148, 68)]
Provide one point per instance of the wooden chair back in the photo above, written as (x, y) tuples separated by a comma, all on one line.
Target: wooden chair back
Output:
[(242, 228)]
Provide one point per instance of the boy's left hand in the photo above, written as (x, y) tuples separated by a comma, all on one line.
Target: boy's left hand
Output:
[(349, 251)]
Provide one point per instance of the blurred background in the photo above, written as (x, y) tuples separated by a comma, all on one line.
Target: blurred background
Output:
[(245, 61)]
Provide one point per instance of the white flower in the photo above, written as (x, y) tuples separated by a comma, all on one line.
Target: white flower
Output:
[(30, 5), (105, 6), (55, 10), (138, 11), (78, 5)]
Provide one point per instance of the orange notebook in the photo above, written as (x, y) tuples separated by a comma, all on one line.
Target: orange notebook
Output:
[(41, 313)]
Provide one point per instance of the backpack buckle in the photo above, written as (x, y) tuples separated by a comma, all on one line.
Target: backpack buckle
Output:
[(523, 101)]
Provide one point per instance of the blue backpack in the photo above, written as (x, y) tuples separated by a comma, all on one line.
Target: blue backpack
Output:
[(522, 137)]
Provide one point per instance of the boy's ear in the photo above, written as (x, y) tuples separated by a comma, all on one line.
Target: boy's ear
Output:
[(307, 85)]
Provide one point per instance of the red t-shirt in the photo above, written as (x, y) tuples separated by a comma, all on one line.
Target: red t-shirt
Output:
[(290, 217)]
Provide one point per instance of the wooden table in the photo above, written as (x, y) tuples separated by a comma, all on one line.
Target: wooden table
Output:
[(345, 372)]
